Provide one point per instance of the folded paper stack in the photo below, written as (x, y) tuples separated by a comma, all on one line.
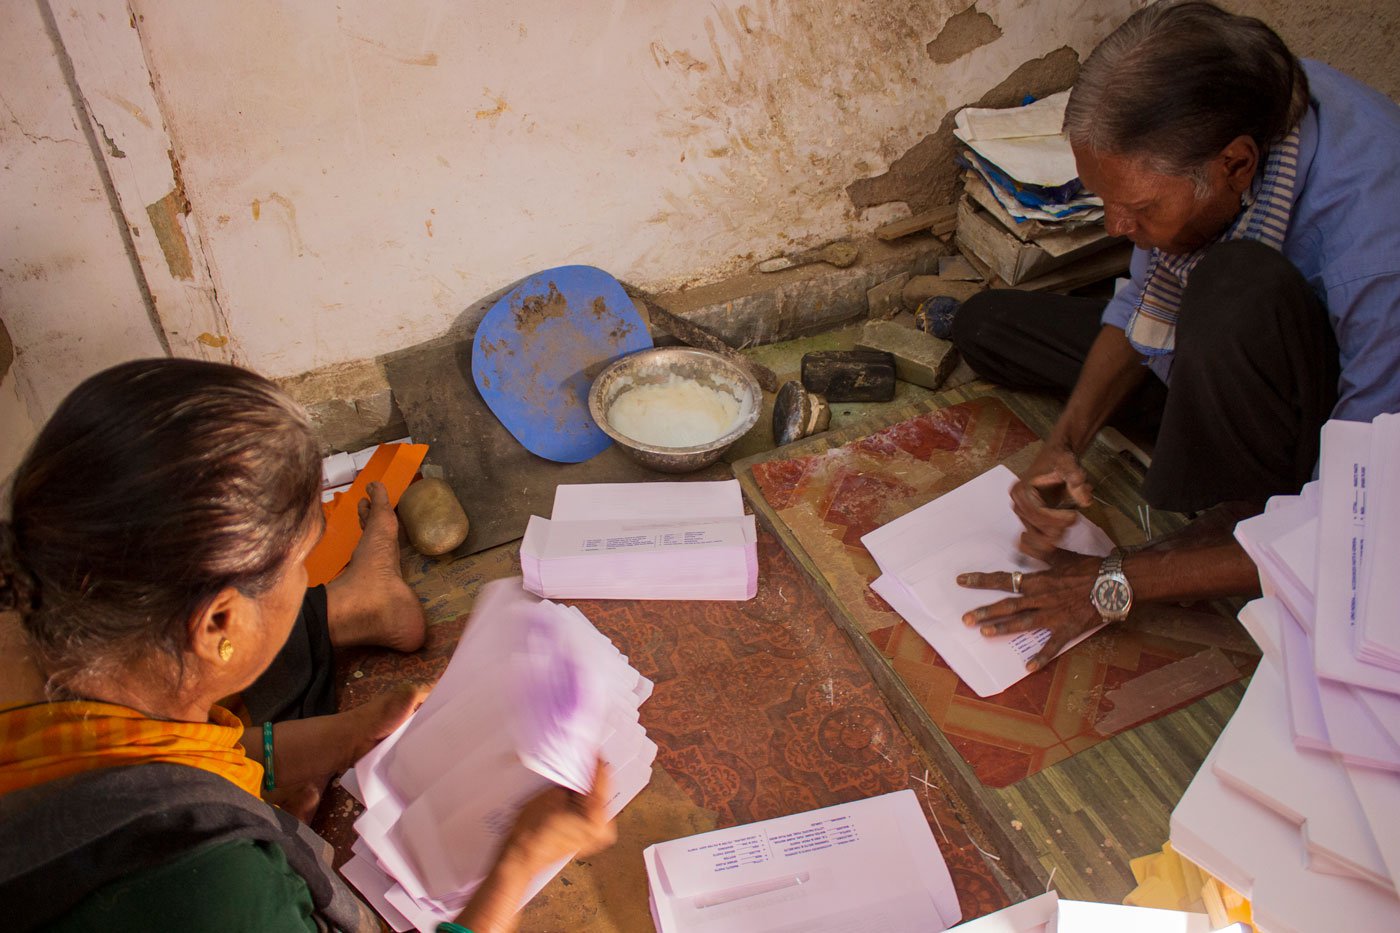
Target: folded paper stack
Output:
[(1298, 805), (971, 528), (866, 865), (1022, 158), (1048, 913), (643, 541), (534, 695)]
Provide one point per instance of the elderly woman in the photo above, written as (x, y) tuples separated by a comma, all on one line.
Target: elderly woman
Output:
[(155, 560), (1261, 193)]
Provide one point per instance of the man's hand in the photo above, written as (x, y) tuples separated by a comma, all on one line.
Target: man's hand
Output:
[(1056, 599), (1045, 500)]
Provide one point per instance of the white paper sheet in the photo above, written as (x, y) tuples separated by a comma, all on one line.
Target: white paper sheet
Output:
[(587, 502), (1304, 705), (1046, 161), (861, 866), (1260, 620), (921, 560), (1282, 542), (1342, 554), (1308, 788), (1036, 915), (337, 470), (533, 696), (1043, 117), (373, 885), (1384, 708), (1327, 715), (604, 536), (1259, 854), (1379, 793), (1378, 634), (1092, 917)]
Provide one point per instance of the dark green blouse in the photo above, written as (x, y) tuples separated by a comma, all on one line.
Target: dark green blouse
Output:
[(231, 886)]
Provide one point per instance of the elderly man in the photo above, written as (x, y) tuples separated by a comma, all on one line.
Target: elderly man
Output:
[(1263, 197)]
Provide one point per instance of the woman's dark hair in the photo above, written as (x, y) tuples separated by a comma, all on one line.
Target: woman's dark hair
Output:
[(154, 486), (1178, 81)]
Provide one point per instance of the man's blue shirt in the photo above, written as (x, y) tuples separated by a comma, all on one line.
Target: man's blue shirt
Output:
[(1344, 237)]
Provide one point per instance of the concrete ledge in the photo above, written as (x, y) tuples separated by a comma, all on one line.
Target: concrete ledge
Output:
[(757, 308), (352, 405)]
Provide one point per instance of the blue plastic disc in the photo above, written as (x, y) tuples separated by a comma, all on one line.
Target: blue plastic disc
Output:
[(539, 348)]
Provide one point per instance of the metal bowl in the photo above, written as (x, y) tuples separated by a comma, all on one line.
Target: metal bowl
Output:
[(658, 365)]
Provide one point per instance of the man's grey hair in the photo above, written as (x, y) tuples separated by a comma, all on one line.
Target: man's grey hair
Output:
[(1177, 82)]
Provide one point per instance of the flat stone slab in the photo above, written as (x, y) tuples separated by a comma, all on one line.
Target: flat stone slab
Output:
[(919, 358)]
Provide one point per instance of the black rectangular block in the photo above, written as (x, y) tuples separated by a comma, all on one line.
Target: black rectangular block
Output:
[(849, 375)]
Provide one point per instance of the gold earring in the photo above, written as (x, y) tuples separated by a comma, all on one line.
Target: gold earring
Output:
[(225, 649)]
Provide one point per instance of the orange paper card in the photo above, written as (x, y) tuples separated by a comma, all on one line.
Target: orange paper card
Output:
[(394, 465)]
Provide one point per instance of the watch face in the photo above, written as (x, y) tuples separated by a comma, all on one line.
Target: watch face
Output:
[(1112, 596)]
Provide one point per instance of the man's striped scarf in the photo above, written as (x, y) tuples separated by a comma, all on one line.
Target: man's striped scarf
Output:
[(1152, 328)]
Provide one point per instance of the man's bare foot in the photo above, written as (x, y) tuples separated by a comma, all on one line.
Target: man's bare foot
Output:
[(309, 752), (370, 604)]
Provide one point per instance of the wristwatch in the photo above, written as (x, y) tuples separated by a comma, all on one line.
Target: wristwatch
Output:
[(1112, 595)]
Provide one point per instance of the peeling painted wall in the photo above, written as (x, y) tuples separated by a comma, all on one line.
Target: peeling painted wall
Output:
[(68, 292), (349, 178), (362, 173)]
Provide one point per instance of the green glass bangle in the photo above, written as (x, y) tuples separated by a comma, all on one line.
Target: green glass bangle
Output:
[(448, 927), (269, 780)]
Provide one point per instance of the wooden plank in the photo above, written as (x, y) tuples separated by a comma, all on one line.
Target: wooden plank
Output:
[(1015, 261), (1111, 262), (938, 221)]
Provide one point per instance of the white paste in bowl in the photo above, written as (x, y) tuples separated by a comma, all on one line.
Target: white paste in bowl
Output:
[(676, 413)]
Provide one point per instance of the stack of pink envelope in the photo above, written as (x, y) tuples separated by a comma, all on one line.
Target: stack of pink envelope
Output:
[(534, 696), (643, 541), (1298, 805), (1049, 913), (971, 528)]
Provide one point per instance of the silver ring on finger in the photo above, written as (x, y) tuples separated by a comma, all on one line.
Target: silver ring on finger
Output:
[(1016, 582)]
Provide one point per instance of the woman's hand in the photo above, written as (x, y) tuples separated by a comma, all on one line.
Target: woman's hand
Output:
[(1039, 499), (558, 823), (554, 825), (1056, 599)]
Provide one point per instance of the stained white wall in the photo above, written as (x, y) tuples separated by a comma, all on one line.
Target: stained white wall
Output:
[(359, 173), (362, 172), (68, 293)]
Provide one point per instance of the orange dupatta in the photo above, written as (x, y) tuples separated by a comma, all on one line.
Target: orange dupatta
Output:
[(42, 742)]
